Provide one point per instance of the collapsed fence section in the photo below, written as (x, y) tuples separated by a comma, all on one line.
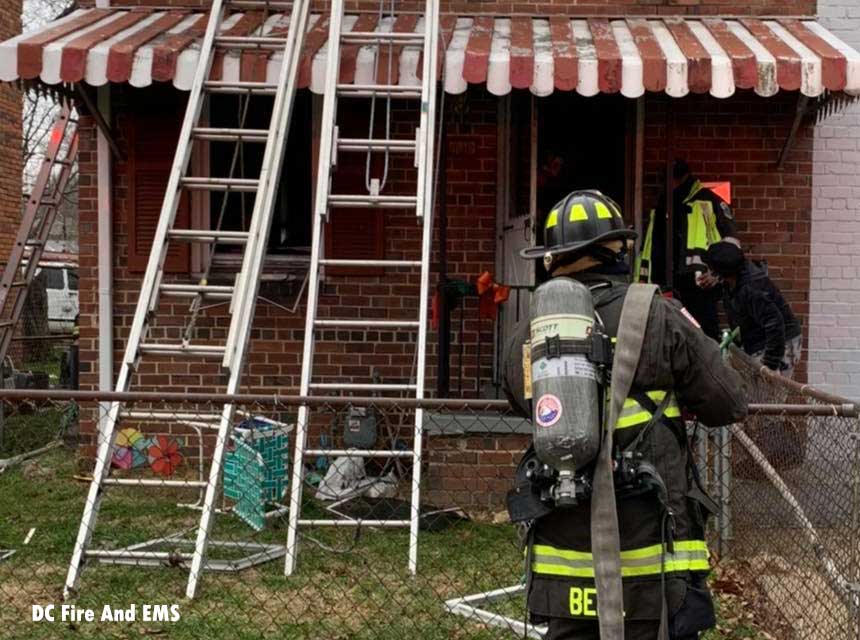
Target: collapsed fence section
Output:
[(786, 536)]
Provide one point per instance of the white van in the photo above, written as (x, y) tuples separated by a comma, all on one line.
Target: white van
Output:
[(61, 283)]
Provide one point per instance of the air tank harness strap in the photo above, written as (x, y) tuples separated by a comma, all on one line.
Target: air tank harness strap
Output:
[(606, 543), (647, 474), (597, 348)]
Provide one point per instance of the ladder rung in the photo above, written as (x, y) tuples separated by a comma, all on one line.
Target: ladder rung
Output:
[(257, 88), (19, 283), (203, 351), (193, 290), (151, 482), (355, 523), (368, 201), (221, 184), (370, 90), (358, 453), (230, 135), (370, 324), (169, 416), (365, 144), (250, 42), (358, 386), (221, 237), (29, 242), (373, 37), (5, 324), (331, 262)]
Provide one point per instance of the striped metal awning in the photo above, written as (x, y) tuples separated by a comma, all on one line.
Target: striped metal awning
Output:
[(589, 55)]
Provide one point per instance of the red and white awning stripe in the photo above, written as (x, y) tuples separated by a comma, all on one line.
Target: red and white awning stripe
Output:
[(589, 55)]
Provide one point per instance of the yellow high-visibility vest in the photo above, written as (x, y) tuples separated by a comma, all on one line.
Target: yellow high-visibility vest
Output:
[(702, 232)]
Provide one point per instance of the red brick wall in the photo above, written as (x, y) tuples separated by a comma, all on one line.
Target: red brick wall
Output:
[(10, 138), (473, 472), (568, 7), (276, 341), (739, 140)]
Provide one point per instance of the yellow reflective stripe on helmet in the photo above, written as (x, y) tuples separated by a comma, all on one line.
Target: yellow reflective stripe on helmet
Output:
[(602, 210), (689, 555), (552, 219), (578, 213)]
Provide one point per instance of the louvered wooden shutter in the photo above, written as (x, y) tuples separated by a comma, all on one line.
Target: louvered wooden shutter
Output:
[(355, 234), (152, 143)]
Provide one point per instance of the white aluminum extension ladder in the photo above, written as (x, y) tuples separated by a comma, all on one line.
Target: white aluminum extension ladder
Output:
[(39, 215), (242, 295), (331, 146)]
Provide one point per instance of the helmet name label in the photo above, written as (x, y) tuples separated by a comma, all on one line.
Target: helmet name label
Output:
[(548, 410)]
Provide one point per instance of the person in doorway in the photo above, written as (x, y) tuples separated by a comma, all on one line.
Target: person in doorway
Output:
[(700, 218), (769, 331), (585, 239)]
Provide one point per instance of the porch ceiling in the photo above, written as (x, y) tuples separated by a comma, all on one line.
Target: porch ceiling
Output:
[(670, 54)]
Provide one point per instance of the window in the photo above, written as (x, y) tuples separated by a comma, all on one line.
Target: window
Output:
[(290, 233), (73, 280), (53, 278)]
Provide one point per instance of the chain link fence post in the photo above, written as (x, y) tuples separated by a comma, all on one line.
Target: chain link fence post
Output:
[(724, 483)]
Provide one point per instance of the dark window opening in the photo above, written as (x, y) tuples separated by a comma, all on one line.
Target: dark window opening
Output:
[(73, 281), (290, 232), (53, 278)]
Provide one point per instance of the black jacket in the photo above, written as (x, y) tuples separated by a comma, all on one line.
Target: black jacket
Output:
[(757, 306), (676, 356)]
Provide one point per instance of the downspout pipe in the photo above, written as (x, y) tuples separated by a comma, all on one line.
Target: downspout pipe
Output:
[(105, 249)]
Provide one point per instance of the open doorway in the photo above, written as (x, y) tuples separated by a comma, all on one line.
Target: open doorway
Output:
[(582, 143), (548, 148)]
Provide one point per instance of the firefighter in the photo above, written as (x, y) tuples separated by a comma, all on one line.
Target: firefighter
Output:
[(769, 331), (661, 564), (700, 218)]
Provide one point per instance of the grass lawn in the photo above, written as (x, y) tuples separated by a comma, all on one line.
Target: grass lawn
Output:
[(21, 432), (355, 588)]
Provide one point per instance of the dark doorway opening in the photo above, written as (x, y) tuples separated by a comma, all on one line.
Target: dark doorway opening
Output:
[(582, 144)]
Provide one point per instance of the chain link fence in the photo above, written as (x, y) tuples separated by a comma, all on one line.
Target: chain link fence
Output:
[(785, 545), (787, 480)]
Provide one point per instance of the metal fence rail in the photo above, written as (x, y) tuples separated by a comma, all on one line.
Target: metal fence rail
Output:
[(787, 480)]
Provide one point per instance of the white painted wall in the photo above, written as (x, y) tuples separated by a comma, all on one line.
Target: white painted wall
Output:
[(834, 353)]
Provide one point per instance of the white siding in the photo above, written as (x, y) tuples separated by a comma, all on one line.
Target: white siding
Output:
[(834, 354)]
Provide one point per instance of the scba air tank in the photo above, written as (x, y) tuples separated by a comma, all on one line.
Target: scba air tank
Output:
[(565, 382)]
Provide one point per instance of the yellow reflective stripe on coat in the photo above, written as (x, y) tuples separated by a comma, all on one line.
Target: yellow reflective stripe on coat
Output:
[(642, 266), (633, 413), (689, 555)]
